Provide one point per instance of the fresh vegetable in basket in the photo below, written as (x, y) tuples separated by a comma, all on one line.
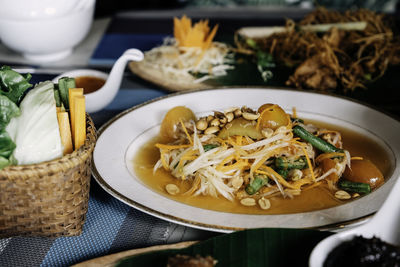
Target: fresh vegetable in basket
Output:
[(35, 126), (35, 131)]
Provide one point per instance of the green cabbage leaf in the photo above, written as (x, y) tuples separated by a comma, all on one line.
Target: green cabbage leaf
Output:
[(13, 84), (12, 88), (35, 131)]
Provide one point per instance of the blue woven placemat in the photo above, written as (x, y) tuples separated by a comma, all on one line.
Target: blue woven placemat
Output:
[(113, 45)]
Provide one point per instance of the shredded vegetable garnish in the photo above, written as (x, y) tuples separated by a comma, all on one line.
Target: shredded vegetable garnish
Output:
[(191, 55), (236, 158), (189, 64)]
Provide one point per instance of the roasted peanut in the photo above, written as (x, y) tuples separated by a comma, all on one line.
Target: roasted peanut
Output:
[(211, 130), (172, 189)]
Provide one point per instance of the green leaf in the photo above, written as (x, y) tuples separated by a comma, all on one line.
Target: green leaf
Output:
[(368, 76), (252, 43), (8, 110), (255, 247), (7, 146), (12, 84), (265, 60), (4, 162)]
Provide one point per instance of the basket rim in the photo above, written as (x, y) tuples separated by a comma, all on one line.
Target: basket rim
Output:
[(82, 153)]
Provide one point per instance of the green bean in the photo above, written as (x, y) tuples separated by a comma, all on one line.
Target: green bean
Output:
[(255, 185), (285, 163), (317, 142), (283, 172), (361, 188), (209, 147)]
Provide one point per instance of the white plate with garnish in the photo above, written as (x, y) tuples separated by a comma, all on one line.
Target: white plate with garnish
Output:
[(125, 155)]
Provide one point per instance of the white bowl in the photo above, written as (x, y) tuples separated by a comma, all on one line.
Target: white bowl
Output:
[(48, 39), (36, 9)]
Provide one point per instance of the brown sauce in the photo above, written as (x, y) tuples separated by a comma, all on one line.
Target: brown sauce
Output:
[(312, 199), (89, 84)]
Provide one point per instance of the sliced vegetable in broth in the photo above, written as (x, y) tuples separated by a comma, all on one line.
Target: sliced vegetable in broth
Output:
[(279, 173)]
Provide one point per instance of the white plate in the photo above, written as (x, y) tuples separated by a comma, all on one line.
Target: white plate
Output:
[(120, 139)]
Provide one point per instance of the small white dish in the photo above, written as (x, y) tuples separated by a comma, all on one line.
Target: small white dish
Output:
[(385, 224), (122, 137), (100, 98), (93, 101)]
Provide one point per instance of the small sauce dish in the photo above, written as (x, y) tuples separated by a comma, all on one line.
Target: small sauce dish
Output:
[(99, 87), (90, 84)]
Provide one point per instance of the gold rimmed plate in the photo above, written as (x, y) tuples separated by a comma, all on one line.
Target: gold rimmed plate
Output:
[(122, 137)]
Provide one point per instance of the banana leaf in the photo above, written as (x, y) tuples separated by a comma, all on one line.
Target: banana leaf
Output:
[(255, 247)]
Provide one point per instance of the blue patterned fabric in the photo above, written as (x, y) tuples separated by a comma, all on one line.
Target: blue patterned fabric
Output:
[(104, 218), (127, 98)]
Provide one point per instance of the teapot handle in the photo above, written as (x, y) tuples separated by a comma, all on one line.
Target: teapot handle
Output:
[(101, 98)]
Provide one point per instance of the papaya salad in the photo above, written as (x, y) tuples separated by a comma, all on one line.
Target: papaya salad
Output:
[(250, 156)]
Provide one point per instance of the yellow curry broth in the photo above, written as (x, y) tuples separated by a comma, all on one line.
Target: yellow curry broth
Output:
[(311, 199)]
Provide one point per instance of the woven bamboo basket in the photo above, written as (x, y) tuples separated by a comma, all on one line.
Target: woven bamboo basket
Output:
[(48, 199)]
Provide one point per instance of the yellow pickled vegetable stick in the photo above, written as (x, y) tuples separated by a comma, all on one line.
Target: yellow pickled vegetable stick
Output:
[(73, 92), (65, 131), (79, 131)]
